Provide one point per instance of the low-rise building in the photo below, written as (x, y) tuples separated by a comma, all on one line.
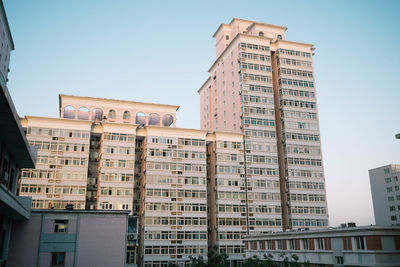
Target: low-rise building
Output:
[(70, 238), (341, 246)]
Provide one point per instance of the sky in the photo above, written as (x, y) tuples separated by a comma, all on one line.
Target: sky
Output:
[(160, 51)]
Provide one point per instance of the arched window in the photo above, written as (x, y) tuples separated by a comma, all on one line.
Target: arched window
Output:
[(112, 114), (167, 120), (97, 114), (279, 37), (140, 118), (83, 113), (127, 115), (154, 119), (261, 34), (69, 112)]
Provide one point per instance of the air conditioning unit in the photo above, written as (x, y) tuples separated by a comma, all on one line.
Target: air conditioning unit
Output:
[(132, 237)]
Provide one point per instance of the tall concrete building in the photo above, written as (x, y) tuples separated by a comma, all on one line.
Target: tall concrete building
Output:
[(262, 85), (385, 190)]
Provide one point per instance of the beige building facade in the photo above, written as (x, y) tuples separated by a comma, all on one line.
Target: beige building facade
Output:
[(95, 158)]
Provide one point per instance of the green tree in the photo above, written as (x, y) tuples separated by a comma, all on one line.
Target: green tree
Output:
[(215, 259)]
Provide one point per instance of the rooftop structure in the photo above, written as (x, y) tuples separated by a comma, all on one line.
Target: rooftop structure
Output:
[(120, 111)]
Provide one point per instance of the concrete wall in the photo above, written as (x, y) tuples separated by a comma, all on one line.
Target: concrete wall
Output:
[(25, 241), (101, 241), (92, 239)]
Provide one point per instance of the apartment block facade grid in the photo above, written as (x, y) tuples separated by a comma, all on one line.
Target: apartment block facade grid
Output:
[(385, 191), (255, 165), (262, 86)]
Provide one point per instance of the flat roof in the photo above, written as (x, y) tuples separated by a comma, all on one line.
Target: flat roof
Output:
[(121, 212)]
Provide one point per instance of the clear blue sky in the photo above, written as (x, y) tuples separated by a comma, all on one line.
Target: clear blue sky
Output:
[(160, 51)]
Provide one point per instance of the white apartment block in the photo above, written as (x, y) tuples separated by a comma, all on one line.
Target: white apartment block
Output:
[(385, 190)]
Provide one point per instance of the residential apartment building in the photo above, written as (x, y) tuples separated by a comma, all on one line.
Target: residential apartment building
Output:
[(104, 154), (262, 86), (385, 190), (341, 246), (70, 238)]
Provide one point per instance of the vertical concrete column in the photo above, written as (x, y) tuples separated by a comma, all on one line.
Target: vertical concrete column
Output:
[(279, 144), (211, 201)]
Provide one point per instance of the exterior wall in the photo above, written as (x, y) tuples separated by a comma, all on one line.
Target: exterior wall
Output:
[(385, 190), (249, 95), (92, 250), (82, 243), (353, 246), (116, 167), (6, 45), (229, 185), (60, 177), (303, 158), (174, 203)]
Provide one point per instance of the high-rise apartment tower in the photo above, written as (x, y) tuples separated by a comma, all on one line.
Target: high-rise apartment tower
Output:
[(262, 85)]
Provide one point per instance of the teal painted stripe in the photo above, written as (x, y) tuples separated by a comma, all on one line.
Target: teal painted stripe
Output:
[(58, 238), (57, 247), (78, 230)]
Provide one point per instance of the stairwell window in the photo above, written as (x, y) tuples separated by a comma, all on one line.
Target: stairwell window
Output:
[(60, 226), (57, 259)]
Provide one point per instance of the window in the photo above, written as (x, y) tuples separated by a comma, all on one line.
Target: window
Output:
[(339, 260), (57, 259), (227, 37), (389, 189), (305, 244), (388, 180), (261, 34), (111, 114), (130, 255), (127, 115), (392, 208), (279, 245), (386, 171), (279, 37), (320, 243), (60, 226), (291, 244), (393, 218), (360, 243)]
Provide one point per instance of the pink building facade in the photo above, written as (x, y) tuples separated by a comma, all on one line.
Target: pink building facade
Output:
[(262, 86)]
